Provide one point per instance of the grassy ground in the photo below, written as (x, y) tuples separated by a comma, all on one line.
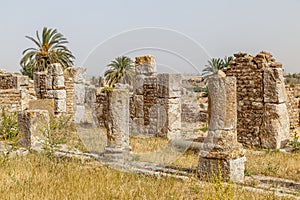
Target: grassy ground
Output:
[(41, 177), (266, 162)]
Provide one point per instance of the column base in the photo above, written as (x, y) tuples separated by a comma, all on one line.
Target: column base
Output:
[(114, 154), (231, 169)]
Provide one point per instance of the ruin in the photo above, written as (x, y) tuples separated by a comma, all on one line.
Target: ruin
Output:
[(222, 153), (155, 107), (34, 127), (263, 119), (117, 125)]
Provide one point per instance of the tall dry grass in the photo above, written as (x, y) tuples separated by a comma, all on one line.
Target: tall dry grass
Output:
[(41, 177)]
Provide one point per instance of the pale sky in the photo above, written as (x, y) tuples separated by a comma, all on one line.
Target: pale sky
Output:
[(181, 34)]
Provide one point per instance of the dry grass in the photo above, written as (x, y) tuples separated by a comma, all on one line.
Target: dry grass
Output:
[(40, 177), (146, 145), (274, 163), (269, 163)]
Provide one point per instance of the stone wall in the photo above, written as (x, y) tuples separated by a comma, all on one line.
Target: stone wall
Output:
[(155, 106), (51, 85), (14, 92), (262, 114), (293, 105)]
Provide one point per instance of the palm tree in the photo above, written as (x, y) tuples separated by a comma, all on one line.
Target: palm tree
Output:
[(120, 71), (216, 64), (50, 48)]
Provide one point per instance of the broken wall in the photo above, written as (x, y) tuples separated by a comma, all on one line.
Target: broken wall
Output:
[(262, 114)]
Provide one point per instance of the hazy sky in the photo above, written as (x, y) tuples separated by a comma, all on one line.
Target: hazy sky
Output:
[(181, 34)]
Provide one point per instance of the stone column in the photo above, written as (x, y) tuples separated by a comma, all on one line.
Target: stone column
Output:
[(117, 124), (144, 97), (169, 94), (222, 153)]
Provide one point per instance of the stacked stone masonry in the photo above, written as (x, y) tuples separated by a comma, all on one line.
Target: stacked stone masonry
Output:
[(293, 105), (261, 112), (155, 106), (51, 85), (14, 92)]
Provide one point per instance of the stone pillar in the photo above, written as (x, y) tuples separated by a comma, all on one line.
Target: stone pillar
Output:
[(222, 152), (275, 127), (79, 77), (144, 97), (33, 126), (169, 94), (117, 124), (51, 85)]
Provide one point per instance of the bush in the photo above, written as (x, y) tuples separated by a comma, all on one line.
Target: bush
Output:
[(9, 129)]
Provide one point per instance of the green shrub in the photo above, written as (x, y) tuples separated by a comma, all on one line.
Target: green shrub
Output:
[(9, 126)]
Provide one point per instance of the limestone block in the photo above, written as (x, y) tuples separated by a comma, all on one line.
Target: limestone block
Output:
[(79, 113), (139, 104), (274, 89), (60, 105), (48, 82), (222, 107), (33, 126), (169, 85), (231, 169), (58, 82), (78, 74), (138, 84), (43, 104), (56, 69), (224, 139), (56, 94), (79, 91), (145, 65), (23, 80), (275, 129)]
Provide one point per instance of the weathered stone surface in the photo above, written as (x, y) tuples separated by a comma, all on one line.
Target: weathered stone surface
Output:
[(79, 113), (275, 127), (221, 152), (60, 105), (56, 94), (33, 126), (22, 80), (145, 65), (58, 82), (139, 106), (43, 104), (138, 84), (79, 92), (9, 81), (222, 103), (232, 169), (169, 85), (55, 69), (90, 95), (78, 74), (117, 120), (293, 105), (274, 89), (137, 126), (259, 81)]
